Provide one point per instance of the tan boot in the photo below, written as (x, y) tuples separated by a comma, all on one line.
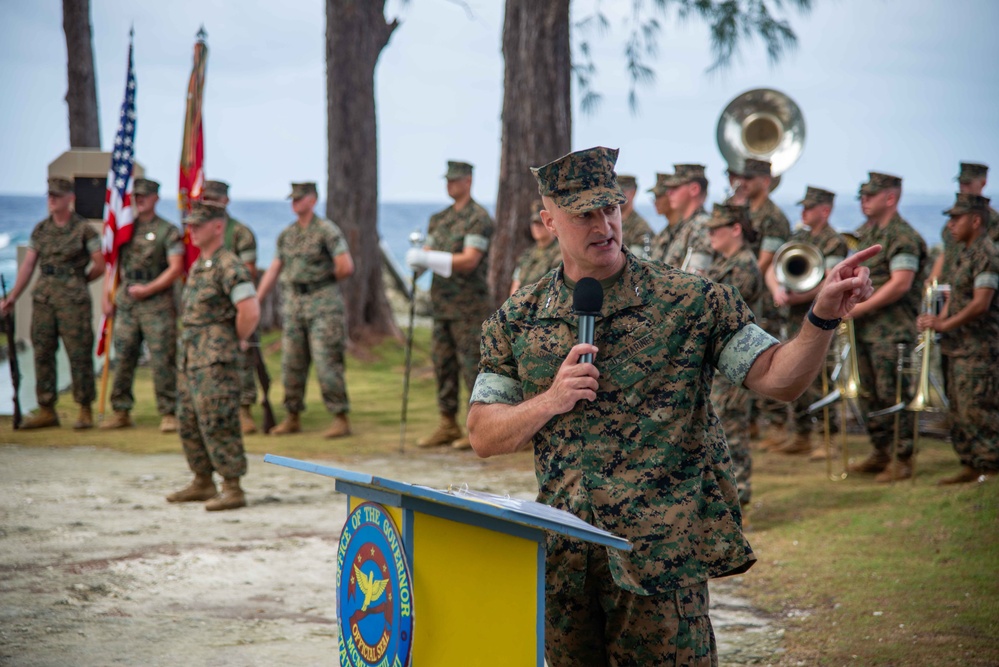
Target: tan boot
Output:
[(201, 488), (462, 443), (820, 453), (44, 417), (85, 419), (775, 437), (801, 443), (168, 424), (967, 474), (246, 424), (895, 471), (339, 428), (120, 419), (875, 463), (291, 424), (231, 497), (447, 431)]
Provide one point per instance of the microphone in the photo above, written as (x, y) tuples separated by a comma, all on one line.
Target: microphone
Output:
[(587, 299)]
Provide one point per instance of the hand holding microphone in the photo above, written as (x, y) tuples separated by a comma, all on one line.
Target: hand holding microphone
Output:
[(587, 300)]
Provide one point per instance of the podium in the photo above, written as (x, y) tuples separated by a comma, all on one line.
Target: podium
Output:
[(429, 577)]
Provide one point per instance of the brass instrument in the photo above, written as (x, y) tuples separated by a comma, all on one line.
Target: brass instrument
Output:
[(799, 266), (763, 124)]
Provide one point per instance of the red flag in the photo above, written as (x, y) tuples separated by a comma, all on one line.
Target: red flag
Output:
[(192, 152), (118, 212)]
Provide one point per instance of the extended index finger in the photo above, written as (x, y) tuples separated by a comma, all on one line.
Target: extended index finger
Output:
[(862, 255)]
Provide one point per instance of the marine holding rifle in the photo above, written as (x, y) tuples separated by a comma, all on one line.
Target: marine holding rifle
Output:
[(62, 245)]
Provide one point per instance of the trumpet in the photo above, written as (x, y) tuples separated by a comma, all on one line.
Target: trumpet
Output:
[(799, 266)]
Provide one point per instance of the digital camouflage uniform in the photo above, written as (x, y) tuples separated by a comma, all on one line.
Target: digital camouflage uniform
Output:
[(635, 233), (972, 354), (314, 328), (153, 319), (208, 367), (646, 460), (240, 240), (536, 261), (460, 303), (878, 333), (834, 250), (671, 245), (731, 401), (61, 307)]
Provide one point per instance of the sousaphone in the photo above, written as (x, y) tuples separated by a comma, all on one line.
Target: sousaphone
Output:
[(764, 124)]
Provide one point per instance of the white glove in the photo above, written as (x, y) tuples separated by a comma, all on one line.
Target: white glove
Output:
[(435, 260)]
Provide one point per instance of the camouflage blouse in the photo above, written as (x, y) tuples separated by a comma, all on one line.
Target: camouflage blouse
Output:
[(536, 261), (307, 253), (63, 255), (635, 231), (742, 272), (144, 258), (647, 459), (463, 294), (690, 233), (771, 226), (240, 239), (970, 268)]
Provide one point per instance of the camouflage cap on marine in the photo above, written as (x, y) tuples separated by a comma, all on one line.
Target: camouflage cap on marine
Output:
[(581, 181), (145, 186), (972, 171), (660, 187), (728, 214), (877, 182), (457, 170), (969, 203), (215, 190), (203, 212), (536, 211), (815, 196), (60, 186), (753, 168), (684, 173), (299, 190), (627, 182)]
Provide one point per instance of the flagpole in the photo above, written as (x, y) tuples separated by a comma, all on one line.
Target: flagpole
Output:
[(107, 347)]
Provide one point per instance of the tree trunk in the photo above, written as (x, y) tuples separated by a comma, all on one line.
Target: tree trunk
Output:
[(537, 123), (356, 33), (81, 95)]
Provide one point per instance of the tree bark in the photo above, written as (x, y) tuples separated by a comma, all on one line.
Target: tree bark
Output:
[(81, 94), (537, 123), (356, 33)]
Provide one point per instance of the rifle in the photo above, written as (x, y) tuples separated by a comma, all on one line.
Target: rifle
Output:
[(265, 382), (15, 368)]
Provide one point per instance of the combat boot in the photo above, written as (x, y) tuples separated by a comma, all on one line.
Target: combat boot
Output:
[(339, 428), (231, 497), (462, 443), (85, 419), (119, 420), (168, 424), (821, 453), (447, 431), (801, 443), (774, 438), (246, 424), (291, 424), (876, 463), (895, 471), (201, 488), (44, 417), (967, 474)]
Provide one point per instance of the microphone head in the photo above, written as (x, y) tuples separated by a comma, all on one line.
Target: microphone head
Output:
[(588, 297)]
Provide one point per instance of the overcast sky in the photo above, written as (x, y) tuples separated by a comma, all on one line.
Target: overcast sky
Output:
[(903, 86)]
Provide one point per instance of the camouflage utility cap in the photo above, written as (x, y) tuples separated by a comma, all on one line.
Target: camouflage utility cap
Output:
[(815, 196), (456, 170), (972, 171), (969, 203), (660, 187), (60, 186), (753, 168), (215, 190), (581, 181), (536, 208), (878, 182), (685, 173), (728, 214), (627, 182), (203, 212), (299, 190), (145, 186)]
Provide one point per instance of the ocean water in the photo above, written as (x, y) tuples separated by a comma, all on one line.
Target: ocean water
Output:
[(396, 220)]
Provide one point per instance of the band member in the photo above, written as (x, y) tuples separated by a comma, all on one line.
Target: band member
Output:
[(689, 247), (636, 231), (540, 258)]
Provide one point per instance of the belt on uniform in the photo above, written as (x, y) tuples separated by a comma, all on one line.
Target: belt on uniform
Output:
[(309, 288), (66, 271), (139, 275)]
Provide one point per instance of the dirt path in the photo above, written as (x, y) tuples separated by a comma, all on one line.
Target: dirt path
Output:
[(97, 569)]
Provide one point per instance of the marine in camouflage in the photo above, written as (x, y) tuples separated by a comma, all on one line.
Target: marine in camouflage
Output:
[(536, 261)]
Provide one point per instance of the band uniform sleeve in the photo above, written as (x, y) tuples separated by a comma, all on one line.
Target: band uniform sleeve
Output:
[(904, 252), (236, 281), (497, 381), (335, 241), (34, 240), (91, 239), (173, 241), (245, 245)]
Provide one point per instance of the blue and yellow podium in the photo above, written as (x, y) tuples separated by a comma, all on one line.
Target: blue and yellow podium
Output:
[(429, 577)]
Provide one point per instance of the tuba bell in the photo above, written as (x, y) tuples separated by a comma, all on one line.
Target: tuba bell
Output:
[(799, 266)]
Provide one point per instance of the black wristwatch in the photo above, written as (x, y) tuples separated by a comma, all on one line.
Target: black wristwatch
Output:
[(825, 325)]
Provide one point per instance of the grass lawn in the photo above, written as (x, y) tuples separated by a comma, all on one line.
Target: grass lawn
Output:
[(858, 573)]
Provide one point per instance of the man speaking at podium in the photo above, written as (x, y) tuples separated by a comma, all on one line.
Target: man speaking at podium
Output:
[(629, 442)]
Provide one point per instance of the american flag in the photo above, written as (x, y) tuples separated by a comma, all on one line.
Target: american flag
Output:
[(118, 213)]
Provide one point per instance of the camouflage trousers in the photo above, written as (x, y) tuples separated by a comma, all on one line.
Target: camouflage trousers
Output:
[(731, 403), (771, 320), (456, 355), (248, 377), (878, 370), (603, 624), (973, 392), (208, 420), (71, 321), (314, 331), (155, 321)]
